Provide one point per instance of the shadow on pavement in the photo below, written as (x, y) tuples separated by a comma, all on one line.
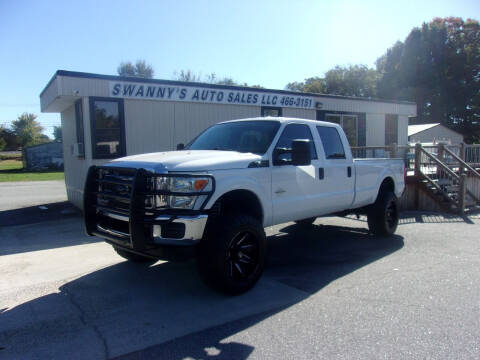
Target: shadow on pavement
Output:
[(38, 213), (127, 307), (57, 229)]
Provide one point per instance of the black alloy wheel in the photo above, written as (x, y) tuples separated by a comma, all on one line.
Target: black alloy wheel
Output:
[(242, 256), (391, 216), (383, 215), (231, 255)]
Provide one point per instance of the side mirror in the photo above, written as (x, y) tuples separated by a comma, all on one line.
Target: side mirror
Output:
[(301, 152), (180, 146)]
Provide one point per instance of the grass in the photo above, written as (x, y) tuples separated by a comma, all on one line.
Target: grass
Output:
[(12, 170)]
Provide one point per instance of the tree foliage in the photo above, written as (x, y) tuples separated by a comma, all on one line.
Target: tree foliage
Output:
[(140, 69), (352, 80), (57, 133), (28, 131), (3, 144), (9, 138), (438, 67), (190, 76)]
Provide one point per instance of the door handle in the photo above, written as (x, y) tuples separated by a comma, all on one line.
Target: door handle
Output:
[(349, 171), (321, 173), (280, 191)]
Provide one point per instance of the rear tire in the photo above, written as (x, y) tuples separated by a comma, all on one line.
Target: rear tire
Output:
[(383, 215), (306, 222), (135, 258), (231, 256)]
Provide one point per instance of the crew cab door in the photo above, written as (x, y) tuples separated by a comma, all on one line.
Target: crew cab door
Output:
[(293, 187), (338, 183)]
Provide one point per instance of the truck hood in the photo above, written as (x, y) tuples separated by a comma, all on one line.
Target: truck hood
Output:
[(187, 160)]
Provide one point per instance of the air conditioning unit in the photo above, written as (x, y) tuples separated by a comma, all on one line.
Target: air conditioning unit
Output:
[(78, 149)]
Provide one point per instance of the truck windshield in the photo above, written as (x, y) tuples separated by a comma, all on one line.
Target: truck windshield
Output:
[(242, 136)]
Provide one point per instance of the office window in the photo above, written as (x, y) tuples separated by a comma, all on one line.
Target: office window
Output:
[(108, 138), (332, 144), (271, 111), (79, 128), (391, 129)]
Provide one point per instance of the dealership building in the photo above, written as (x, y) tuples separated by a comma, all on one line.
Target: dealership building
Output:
[(105, 117)]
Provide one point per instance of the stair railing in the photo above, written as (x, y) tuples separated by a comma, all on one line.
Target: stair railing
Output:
[(472, 176), (438, 175)]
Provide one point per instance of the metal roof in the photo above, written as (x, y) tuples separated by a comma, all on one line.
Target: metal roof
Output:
[(415, 129)]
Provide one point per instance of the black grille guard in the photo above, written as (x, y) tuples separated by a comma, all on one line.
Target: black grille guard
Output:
[(139, 235)]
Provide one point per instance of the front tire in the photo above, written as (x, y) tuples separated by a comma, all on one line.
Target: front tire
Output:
[(135, 258), (384, 214), (231, 256)]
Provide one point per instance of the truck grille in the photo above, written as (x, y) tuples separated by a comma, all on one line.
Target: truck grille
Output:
[(114, 190), (110, 194)]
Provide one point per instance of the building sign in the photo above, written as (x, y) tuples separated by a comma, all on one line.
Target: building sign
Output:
[(148, 91)]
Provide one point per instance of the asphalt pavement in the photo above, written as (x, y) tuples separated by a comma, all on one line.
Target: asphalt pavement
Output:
[(330, 290), (21, 194)]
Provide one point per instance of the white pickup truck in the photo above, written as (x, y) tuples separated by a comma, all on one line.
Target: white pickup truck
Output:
[(214, 197)]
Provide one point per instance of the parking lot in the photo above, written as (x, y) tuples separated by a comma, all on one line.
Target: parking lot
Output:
[(329, 291)]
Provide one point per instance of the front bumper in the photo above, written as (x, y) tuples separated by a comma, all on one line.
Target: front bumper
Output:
[(194, 227), (138, 230)]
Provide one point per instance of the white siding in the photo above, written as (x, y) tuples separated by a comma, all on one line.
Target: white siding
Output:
[(75, 168), (149, 126), (403, 130), (299, 113), (375, 129), (49, 95), (369, 107), (73, 86)]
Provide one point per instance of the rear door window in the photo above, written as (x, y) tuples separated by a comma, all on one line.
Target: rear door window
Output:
[(332, 144)]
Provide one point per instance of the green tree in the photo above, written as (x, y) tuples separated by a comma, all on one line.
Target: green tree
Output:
[(27, 130), (352, 80), (190, 76), (3, 144), (140, 69), (438, 67), (314, 85), (57, 133), (11, 141)]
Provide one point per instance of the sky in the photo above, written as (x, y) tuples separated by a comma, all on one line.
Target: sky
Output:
[(265, 42)]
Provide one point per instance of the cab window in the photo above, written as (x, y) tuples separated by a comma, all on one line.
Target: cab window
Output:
[(294, 132)]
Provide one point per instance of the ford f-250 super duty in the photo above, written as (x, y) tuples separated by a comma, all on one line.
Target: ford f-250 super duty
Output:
[(214, 197)]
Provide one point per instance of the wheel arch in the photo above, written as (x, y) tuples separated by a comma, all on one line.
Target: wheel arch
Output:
[(387, 185), (239, 201)]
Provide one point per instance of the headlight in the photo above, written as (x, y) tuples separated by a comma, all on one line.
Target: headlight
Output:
[(183, 184), (181, 192)]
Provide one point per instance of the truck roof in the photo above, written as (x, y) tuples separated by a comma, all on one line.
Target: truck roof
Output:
[(283, 120)]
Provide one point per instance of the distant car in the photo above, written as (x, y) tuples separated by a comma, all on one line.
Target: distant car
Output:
[(215, 197)]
